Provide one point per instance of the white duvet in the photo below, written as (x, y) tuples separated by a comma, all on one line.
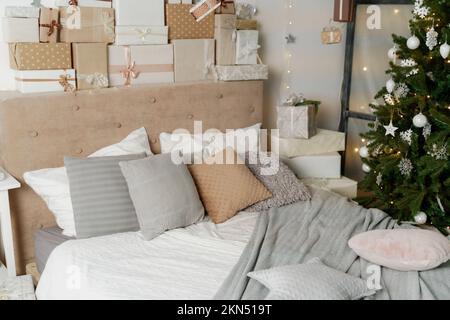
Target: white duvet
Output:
[(188, 263)]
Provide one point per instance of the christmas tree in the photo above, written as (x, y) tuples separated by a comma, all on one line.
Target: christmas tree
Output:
[(407, 155)]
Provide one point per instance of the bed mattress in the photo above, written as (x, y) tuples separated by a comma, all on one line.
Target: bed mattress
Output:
[(45, 241), (182, 264)]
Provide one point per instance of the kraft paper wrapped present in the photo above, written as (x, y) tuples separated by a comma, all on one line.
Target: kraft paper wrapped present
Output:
[(135, 35), (129, 65), (32, 81), (20, 29), (226, 7), (345, 187), (87, 24), (204, 8), (225, 35), (194, 60), (327, 165), (80, 3), (323, 142), (297, 121), (49, 26), (247, 47), (344, 10), (180, 1), (91, 62), (246, 24), (242, 73), (139, 13), (40, 56), (182, 24), (22, 12)]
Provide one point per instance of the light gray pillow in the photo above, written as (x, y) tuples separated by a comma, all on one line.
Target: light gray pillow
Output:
[(311, 281), (163, 193), (100, 198), (285, 187)]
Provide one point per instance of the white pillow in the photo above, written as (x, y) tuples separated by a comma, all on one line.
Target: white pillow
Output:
[(212, 141), (52, 185)]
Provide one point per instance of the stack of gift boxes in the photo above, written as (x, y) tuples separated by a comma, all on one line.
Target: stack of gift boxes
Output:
[(69, 45), (313, 154)]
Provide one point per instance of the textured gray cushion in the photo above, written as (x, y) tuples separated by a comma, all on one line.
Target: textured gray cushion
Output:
[(285, 187), (100, 198), (164, 194), (311, 281)]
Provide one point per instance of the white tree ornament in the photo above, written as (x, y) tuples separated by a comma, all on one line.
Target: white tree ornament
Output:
[(390, 129), (432, 36), (406, 167), (420, 10), (407, 136)]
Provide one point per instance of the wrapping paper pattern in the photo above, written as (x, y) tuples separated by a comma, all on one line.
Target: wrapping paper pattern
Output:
[(49, 26), (331, 35), (135, 35), (247, 47), (182, 24), (40, 56), (18, 288), (246, 24), (225, 35), (194, 60), (32, 81), (95, 25), (139, 12), (81, 3), (227, 7), (240, 73), (91, 62), (203, 8), (297, 122), (20, 29), (22, 12)]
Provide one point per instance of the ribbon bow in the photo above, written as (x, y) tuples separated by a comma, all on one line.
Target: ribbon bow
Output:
[(73, 3), (294, 99), (98, 80), (108, 23), (248, 49), (64, 82), (52, 26), (130, 72), (143, 33)]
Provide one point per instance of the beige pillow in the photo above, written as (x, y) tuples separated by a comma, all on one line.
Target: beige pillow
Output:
[(225, 189), (402, 249)]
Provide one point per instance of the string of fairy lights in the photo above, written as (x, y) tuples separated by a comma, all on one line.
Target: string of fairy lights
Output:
[(289, 40)]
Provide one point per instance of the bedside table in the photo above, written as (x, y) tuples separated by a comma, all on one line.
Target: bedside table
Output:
[(17, 288)]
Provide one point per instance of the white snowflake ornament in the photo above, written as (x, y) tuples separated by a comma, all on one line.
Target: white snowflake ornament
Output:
[(406, 167), (426, 132), (401, 91), (432, 36), (389, 99), (439, 152), (407, 136), (420, 10)]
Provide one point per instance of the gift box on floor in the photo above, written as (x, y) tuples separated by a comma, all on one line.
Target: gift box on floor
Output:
[(225, 34), (241, 73), (297, 121), (226, 7), (344, 186), (194, 60), (327, 165), (87, 24), (91, 62), (49, 25), (20, 29), (80, 3), (40, 56), (32, 81), (323, 142), (247, 47), (182, 25), (22, 12), (129, 65), (139, 13), (246, 24), (135, 35)]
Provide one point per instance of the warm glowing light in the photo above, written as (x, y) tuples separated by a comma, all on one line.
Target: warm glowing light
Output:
[(356, 150), (365, 69), (396, 11)]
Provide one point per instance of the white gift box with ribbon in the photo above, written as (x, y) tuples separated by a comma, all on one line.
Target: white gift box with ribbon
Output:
[(139, 12), (81, 3), (194, 60), (32, 81), (22, 12), (327, 165), (247, 47), (136, 35)]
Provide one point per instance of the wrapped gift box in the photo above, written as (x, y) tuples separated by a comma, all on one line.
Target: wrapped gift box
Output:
[(194, 60), (81, 3), (182, 25), (40, 56), (49, 25), (204, 8), (180, 1), (32, 81), (129, 65), (323, 142), (246, 24), (344, 186), (226, 7), (326, 165), (135, 35), (343, 10), (87, 24), (297, 121), (91, 62), (20, 29), (139, 13), (225, 33), (240, 73), (247, 47), (22, 12)]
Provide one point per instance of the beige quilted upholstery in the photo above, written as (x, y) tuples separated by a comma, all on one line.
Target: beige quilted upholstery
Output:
[(225, 189)]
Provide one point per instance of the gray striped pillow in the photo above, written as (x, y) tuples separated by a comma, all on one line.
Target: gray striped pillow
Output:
[(100, 198)]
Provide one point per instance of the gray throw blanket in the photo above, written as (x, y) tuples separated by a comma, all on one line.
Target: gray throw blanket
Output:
[(321, 228)]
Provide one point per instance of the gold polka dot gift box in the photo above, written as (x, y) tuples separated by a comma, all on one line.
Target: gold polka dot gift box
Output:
[(40, 56), (183, 25)]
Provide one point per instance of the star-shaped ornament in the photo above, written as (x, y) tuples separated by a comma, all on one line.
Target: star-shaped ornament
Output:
[(390, 129), (290, 38)]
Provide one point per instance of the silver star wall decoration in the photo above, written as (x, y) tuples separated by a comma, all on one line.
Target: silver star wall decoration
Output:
[(290, 38)]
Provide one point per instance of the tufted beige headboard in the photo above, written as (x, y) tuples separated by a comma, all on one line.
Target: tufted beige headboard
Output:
[(38, 130)]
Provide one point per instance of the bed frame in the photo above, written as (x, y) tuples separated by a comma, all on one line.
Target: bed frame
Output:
[(38, 130)]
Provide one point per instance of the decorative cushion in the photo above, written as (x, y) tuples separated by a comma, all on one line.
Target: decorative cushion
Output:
[(285, 187), (163, 194), (226, 185), (402, 249), (52, 185), (311, 281), (100, 197)]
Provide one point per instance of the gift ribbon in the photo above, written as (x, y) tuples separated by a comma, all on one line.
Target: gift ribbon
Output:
[(52, 26), (97, 80), (73, 3), (248, 49), (209, 61), (224, 4), (108, 23), (64, 82), (202, 9), (129, 72)]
